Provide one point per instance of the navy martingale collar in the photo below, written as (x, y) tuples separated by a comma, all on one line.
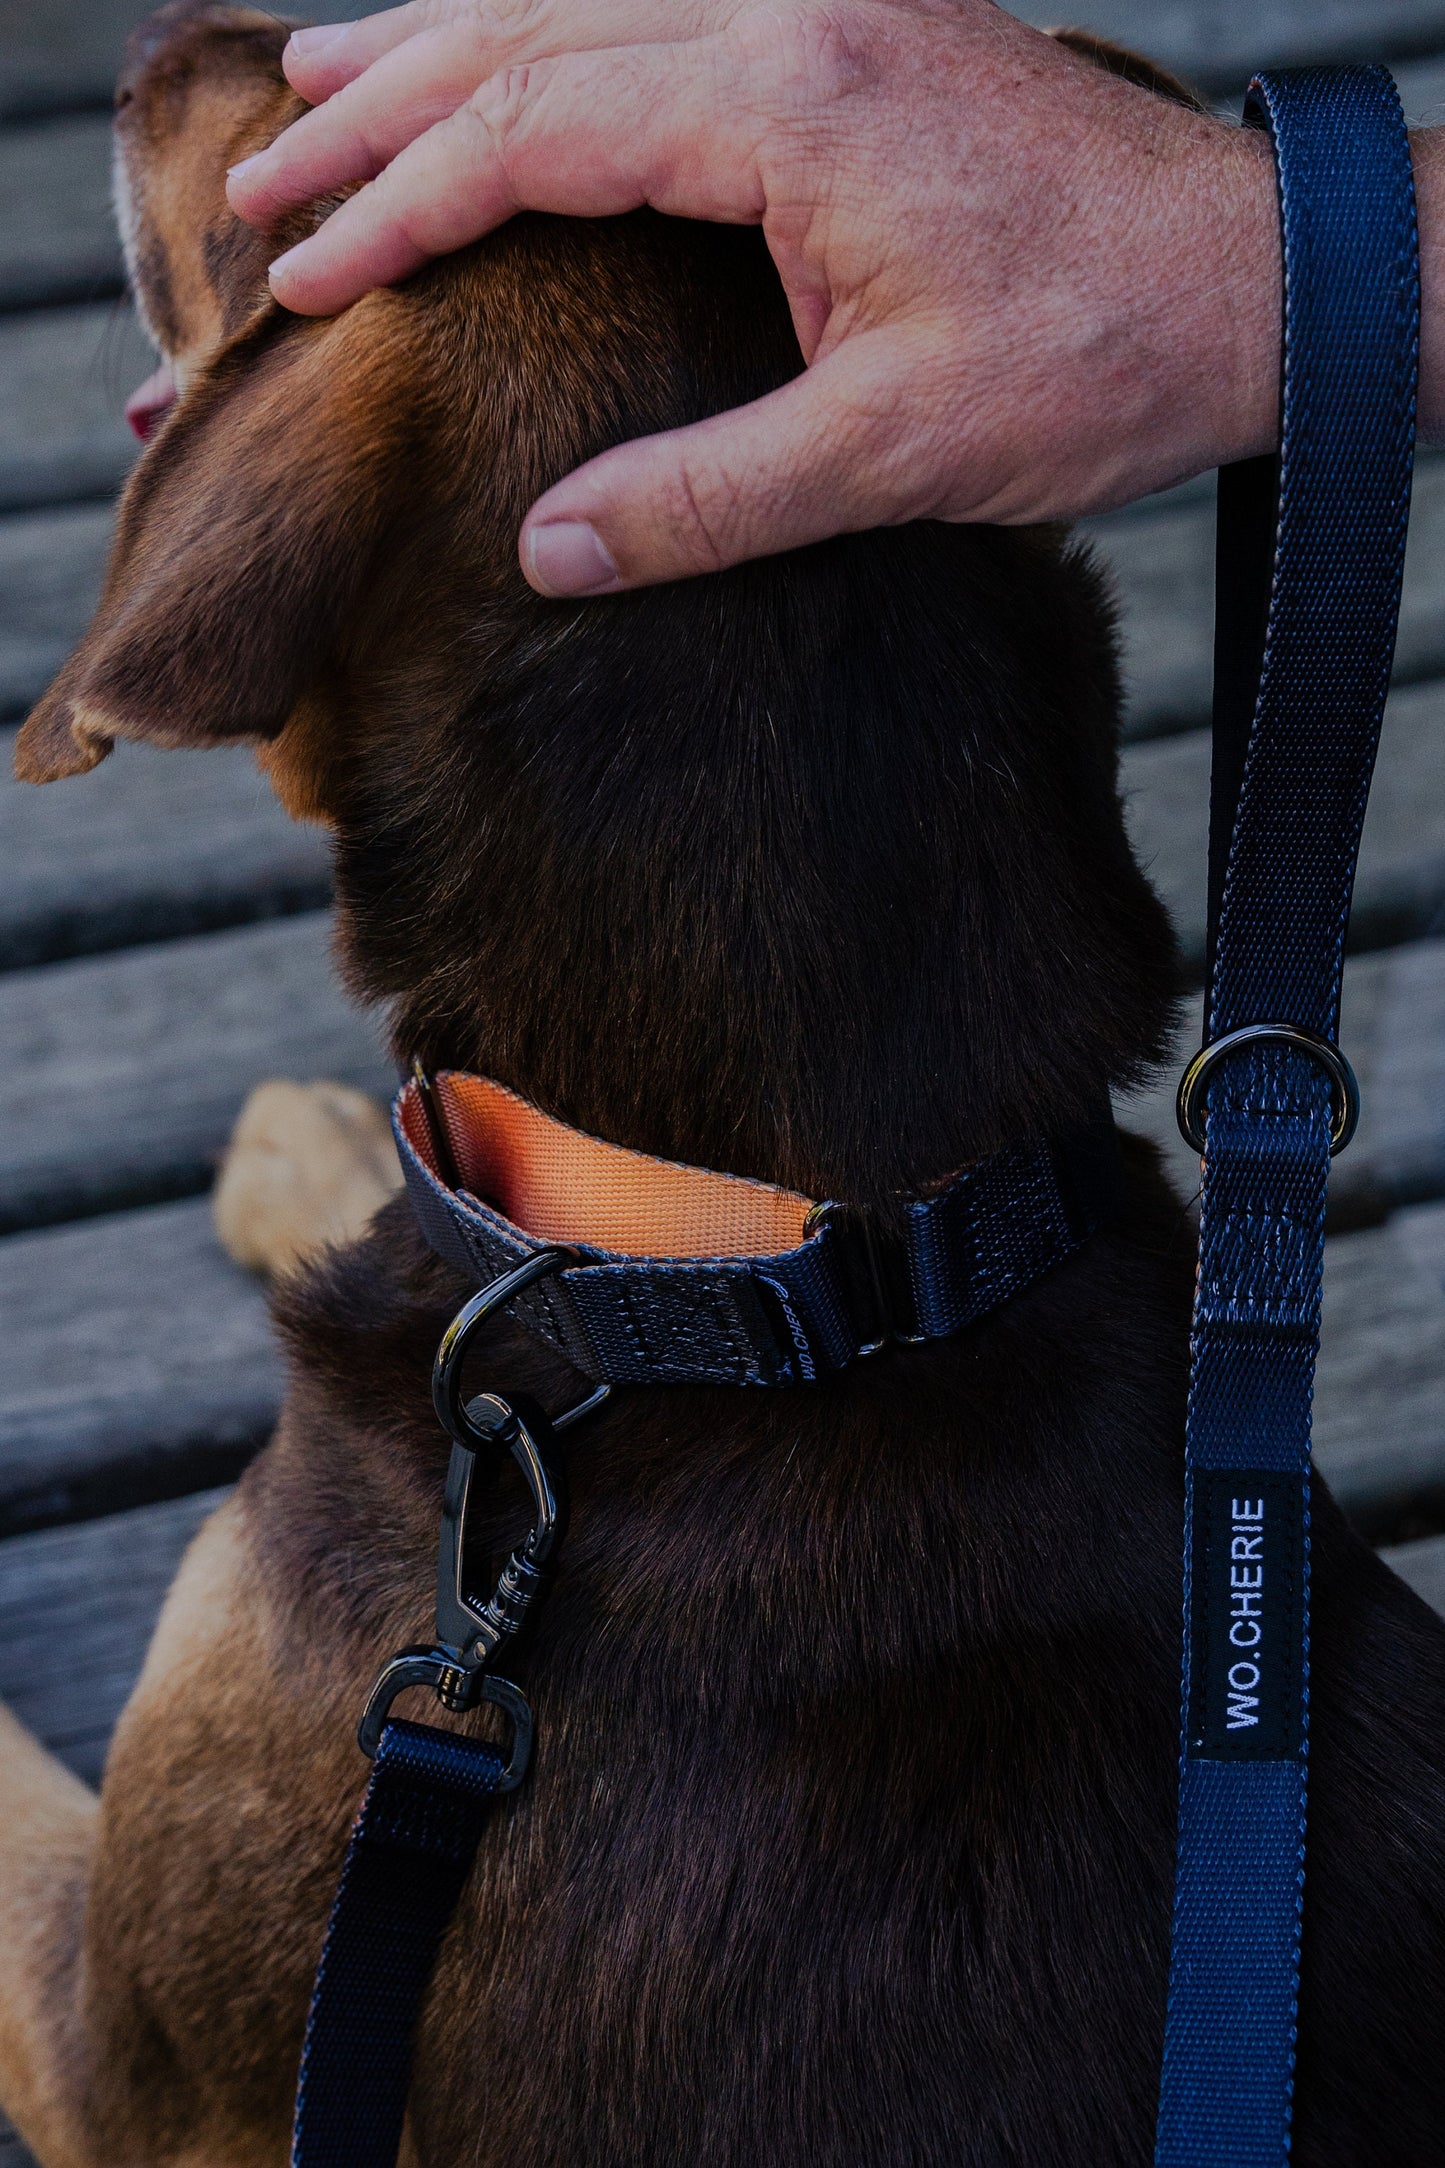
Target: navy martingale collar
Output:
[(676, 1275)]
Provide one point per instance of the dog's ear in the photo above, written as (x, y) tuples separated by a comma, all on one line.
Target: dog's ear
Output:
[(1133, 67), (243, 542)]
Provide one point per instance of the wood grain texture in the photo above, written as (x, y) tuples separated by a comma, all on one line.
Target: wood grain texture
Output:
[(97, 1587), (56, 55), (1422, 91), (65, 375), (1393, 1030), (50, 572), (1162, 560), (149, 846), (121, 1076), (57, 231), (1422, 1566), (1380, 1402), (136, 1363), (1219, 43), (1400, 895)]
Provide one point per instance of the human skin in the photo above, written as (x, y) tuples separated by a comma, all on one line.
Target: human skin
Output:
[(1024, 289)]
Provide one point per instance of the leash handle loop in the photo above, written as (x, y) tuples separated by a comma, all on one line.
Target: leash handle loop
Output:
[(1310, 552)]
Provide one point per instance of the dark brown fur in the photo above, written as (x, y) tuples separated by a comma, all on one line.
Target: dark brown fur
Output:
[(851, 1835)]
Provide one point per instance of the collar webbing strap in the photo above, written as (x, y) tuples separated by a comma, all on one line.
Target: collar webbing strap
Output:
[(684, 1276), (1310, 554)]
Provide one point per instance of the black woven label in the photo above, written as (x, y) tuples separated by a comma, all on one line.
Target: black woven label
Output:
[(1246, 1673)]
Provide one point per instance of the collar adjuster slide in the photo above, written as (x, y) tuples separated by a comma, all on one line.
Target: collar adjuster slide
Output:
[(877, 1284)]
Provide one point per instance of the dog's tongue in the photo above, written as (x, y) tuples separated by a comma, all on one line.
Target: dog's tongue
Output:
[(148, 406)]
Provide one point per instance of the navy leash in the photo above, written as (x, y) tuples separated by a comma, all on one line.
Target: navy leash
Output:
[(1311, 548)]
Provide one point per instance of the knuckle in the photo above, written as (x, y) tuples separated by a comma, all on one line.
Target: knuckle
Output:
[(808, 54), (707, 516), (502, 102)]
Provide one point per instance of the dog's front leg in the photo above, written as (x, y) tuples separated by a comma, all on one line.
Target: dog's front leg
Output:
[(48, 1824)]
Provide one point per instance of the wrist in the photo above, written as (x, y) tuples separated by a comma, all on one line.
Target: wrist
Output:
[(1247, 291)]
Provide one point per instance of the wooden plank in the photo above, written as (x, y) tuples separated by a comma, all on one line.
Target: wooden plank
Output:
[(1163, 564), (1220, 43), (1393, 1029), (149, 846), (1422, 91), (56, 54), (97, 1587), (1422, 1565), (1401, 891), (50, 572), (138, 1364), (121, 1077), (65, 375), (1380, 1402), (61, 55), (57, 231)]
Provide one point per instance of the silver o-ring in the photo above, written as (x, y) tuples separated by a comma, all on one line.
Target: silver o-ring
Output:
[(1190, 1108)]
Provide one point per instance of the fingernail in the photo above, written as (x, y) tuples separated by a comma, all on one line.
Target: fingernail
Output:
[(283, 260), (245, 165), (567, 557), (312, 40)]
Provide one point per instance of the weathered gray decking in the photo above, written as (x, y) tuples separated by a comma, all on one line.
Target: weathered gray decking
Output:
[(163, 940)]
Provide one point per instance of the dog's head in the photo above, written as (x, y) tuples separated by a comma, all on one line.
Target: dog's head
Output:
[(687, 866), (312, 484)]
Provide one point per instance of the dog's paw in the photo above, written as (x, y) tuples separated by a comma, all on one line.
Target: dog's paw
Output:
[(307, 1166)]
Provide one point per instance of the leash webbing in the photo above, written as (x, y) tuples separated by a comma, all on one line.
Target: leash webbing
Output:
[(1311, 547), (430, 1795)]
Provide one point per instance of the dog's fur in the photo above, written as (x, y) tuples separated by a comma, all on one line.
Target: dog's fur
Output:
[(851, 1836)]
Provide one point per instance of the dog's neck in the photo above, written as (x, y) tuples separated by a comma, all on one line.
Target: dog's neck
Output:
[(814, 871)]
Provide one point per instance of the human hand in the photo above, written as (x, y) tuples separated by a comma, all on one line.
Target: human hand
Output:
[(1025, 290)]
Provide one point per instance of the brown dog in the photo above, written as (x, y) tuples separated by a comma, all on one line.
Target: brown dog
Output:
[(852, 1836)]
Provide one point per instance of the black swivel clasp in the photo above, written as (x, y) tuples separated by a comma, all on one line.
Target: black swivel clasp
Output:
[(472, 1634)]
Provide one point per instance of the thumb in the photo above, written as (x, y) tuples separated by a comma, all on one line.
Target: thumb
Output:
[(829, 453)]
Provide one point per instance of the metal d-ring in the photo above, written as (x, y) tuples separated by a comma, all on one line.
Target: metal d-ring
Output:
[(429, 1667), (1193, 1084), (446, 1377)]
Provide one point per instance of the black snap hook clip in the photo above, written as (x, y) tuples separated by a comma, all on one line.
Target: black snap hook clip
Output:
[(469, 1635)]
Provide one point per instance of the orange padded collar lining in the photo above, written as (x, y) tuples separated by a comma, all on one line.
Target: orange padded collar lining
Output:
[(559, 1185)]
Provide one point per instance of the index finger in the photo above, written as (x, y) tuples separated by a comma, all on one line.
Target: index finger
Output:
[(323, 58), (450, 48), (589, 134)]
